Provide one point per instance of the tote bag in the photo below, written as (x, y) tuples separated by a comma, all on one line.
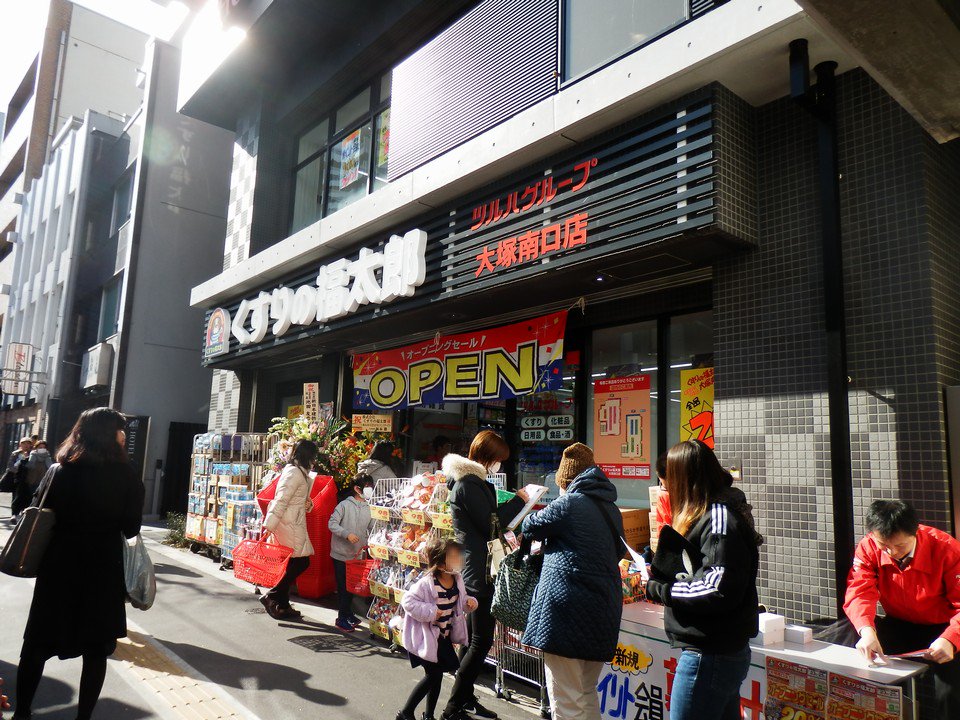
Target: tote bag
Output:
[(514, 587), (25, 548)]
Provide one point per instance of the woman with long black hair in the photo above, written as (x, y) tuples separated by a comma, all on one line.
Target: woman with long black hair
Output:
[(286, 521), (712, 615), (78, 600)]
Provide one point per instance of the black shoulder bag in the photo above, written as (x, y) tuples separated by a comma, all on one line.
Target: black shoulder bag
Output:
[(25, 548)]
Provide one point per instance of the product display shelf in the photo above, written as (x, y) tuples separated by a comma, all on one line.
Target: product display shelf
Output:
[(227, 471)]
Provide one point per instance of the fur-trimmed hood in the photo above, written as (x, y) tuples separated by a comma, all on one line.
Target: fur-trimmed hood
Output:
[(457, 467)]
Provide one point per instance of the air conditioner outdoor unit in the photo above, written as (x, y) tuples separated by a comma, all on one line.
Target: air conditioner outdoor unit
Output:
[(96, 366)]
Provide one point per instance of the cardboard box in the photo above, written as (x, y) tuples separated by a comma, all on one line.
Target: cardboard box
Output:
[(636, 528)]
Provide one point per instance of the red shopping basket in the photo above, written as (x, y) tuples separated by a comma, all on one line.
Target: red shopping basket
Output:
[(260, 563), (358, 576)]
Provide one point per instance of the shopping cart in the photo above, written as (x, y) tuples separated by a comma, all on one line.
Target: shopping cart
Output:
[(515, 660)]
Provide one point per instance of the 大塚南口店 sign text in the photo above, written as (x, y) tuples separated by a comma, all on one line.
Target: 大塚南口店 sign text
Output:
[(533, 244), (342, 286), (504, 362)]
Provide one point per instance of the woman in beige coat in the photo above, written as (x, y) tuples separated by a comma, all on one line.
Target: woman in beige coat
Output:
[(286, 524)]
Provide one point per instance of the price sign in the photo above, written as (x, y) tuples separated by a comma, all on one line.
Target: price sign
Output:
[(560, 421), (398, 638), (379, 513), (380, 629), (414, 517), (533, 421), (398, 595), (409, 558), (559, 434), (380, 552), (380, 590), (442, 521), (532, 436)]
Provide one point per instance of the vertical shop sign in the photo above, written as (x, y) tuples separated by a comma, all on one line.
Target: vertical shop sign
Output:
[(16, 370), (621, 427), (795, 692), (499, 363), (696, 405), (852, 699), (349, 159), (136, 429), (311, 401)]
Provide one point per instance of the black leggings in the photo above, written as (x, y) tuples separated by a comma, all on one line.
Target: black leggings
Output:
[(482, 625), (31, 670), (296, 566), (429, 688)]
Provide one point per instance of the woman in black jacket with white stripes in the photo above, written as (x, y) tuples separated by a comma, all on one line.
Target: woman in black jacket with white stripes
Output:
[(711, 613)]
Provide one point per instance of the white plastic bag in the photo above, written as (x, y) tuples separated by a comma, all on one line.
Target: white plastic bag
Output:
[(138, 574)]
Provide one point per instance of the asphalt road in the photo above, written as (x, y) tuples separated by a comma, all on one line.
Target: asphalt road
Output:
[(216, 625)]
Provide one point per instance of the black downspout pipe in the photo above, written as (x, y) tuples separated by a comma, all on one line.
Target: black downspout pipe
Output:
[(821, 101)]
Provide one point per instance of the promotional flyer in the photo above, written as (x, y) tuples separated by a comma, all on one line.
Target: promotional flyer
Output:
[(622, 427)]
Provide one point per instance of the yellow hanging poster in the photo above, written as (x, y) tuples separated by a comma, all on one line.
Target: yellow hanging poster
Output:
[(696, 405)]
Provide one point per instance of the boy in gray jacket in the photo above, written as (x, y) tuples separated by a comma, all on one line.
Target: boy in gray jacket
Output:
[(350, 525)]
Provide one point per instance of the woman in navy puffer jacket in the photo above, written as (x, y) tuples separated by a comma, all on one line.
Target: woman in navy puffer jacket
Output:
[(575, 614)]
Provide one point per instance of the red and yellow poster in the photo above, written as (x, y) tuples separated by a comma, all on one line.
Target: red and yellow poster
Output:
[(794, 692), (499, 363), (696, 405), (622, 427), (852, 699)]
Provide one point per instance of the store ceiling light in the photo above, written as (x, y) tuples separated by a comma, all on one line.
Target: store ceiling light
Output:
[(652, 369), (682, 365), (598, 375)]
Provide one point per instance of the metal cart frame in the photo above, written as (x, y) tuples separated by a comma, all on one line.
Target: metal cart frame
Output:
[(514, 659)]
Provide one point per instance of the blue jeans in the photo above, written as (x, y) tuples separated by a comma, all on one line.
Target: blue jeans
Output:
[(707, 687)]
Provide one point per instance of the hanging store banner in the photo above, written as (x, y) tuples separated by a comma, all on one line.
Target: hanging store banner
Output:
[(499, 363), (696, 405), (16, 369), (621, 427)]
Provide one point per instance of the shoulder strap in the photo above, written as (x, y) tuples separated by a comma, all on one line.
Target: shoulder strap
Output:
[(617, 539), (46, 484)]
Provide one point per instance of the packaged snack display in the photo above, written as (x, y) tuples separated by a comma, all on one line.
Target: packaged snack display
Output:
[(226, 473)]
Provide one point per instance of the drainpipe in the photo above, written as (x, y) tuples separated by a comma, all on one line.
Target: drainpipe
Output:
[(821, 101)]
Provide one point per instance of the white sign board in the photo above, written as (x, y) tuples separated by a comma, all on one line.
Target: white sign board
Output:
[(342, 286), (16, 369)]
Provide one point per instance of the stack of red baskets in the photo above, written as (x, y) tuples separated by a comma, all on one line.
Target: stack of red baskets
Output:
[(318, 579)]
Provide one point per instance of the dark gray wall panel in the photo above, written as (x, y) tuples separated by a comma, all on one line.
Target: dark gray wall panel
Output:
[(497, 60)]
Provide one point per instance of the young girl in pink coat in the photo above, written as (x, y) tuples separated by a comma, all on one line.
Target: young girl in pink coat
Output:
[(435, 620)]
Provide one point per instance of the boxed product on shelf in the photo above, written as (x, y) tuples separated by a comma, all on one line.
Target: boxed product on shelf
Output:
[(193, 529)]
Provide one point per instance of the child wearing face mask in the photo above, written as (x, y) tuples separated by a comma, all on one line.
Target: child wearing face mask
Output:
[(350, 525), (435, 611)]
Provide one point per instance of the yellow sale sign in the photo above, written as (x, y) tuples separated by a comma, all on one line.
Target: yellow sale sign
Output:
[(696, 405)]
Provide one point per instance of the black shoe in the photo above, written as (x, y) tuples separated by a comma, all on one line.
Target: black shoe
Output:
[(272, 608), (427, 717), (455, 715), (479, 711), (403, 716)]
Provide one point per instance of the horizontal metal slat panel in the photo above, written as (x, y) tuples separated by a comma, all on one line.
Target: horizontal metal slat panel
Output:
[(493, 63)]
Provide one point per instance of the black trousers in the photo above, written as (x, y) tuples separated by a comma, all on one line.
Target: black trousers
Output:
[(899, 636), (22, 496), (344, 598), (481, 625), (295, 568)]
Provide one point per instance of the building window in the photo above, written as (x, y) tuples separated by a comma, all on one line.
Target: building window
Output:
[(122, 202), (598, 31), (109, 310), (343, 156)]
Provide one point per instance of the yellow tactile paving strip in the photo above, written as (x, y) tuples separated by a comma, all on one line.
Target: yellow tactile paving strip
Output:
[(170, 685)]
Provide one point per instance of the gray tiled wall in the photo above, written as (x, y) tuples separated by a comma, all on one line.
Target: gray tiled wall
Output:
[(900, 235)]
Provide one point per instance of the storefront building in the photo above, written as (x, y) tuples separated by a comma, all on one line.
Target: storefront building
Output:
[(567, 237)]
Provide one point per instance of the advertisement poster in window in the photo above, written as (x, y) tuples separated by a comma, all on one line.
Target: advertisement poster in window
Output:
[(696, 405), (622, 427), (350, 159), (383, 138)]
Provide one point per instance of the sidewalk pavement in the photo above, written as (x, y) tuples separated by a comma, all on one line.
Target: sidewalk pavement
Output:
[(208, 650)]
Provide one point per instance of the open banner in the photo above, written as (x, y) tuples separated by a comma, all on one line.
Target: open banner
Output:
[(500, 363)]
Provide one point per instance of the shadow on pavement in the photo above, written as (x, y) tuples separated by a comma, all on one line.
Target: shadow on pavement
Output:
[(164, 569), (234, 672)]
